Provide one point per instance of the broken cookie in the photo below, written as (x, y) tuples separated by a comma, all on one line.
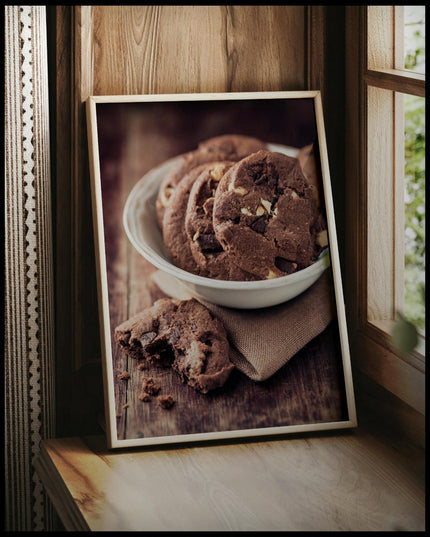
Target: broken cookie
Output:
[(183, 335)]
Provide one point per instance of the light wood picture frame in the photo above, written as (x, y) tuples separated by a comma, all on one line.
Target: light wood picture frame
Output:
[(133, 140)]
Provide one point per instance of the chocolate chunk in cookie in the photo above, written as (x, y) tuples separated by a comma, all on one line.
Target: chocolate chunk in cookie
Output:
[(187, 338), (265, 215)]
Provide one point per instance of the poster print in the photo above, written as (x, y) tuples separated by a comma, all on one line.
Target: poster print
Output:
[(220, 295)]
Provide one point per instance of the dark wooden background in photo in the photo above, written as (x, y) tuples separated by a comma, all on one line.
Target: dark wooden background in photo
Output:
[(133, 138)]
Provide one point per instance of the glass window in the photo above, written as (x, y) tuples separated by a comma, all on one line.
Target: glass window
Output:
[(414, 38), (396, 166), (414, 196), (385, 127)]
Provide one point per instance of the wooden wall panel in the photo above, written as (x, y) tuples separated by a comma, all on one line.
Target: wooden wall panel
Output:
[(181, 49), (109, 50)]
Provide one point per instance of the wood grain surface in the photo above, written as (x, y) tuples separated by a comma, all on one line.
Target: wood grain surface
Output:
[(186, 49), (329, 482), (134, 137)]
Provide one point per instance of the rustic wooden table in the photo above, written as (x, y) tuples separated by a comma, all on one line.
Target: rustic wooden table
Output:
[(309, 389)]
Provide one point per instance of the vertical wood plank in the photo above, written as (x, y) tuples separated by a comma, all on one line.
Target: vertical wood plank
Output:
[(356, 201), (59, 28), (399, 44), (381, 38), (316, 42), (380, 206), (87, 348), (399, 204)]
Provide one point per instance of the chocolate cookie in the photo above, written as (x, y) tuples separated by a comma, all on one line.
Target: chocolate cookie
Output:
[(225, 147), (205, 247), (310, 168), (179, 169), (184, 335), (265, 214), (140, 330), (173, 228), (231, 146)]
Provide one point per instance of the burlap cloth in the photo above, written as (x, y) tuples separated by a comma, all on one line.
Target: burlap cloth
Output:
[(263, 340)]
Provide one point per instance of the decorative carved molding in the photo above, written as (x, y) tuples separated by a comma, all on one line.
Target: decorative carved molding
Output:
[(29, 328)]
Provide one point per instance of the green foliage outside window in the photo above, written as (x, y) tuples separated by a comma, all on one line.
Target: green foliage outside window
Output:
[(415, 210), (415, 174)]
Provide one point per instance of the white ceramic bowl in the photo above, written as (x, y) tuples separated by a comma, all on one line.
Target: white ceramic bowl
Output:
[(140, 223)]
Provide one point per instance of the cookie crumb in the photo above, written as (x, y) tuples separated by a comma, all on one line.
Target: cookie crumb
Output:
[(165, 401), (145, 397), (149, 386), (126, 405), (125, 375)]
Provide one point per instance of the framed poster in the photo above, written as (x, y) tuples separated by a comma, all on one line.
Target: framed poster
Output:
[(220, 295)]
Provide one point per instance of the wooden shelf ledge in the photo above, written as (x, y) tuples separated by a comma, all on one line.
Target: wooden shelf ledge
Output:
[(347, 481)]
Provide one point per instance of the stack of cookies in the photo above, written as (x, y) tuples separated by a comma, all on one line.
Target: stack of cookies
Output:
[(234, 210)]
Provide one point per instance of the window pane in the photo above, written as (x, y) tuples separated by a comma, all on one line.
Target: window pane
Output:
[(414, 38), (414, 307)]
